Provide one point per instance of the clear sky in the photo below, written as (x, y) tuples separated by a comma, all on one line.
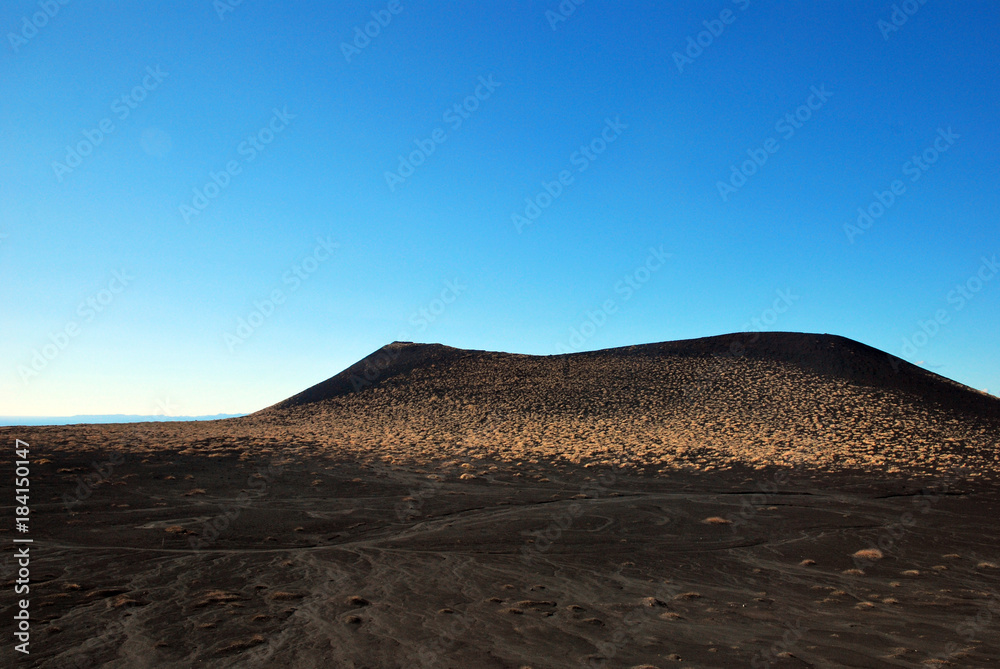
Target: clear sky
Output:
[(493, 175)]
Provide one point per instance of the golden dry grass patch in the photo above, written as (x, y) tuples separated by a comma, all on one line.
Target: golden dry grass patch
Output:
[(281, 595), (217, 597), (688, 595), (868, 554)]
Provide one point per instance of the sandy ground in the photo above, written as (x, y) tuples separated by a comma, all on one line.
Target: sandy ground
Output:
[(324, 563), (335, 534)]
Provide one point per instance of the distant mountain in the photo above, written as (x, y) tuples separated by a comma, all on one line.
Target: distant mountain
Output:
[(104, 418), (748, 398)]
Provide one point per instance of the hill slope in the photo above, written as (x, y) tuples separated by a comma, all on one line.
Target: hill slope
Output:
[(752, 399)]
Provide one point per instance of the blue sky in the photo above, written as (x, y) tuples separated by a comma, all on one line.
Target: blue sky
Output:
[(557, 186)]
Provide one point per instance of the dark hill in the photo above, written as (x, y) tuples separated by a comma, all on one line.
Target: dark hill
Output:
[(750, 399), (827, 355)]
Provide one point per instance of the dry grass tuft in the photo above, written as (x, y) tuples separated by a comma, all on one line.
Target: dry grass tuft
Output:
[(217, 597), (281, 594), (243, 644), (123, 601), (868, 554), (688, 595)]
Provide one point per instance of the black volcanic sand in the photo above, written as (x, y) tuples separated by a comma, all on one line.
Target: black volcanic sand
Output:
[(686, 504), (333, 564)]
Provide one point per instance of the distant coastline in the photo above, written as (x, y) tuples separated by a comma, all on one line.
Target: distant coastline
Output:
[(10, 421)]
